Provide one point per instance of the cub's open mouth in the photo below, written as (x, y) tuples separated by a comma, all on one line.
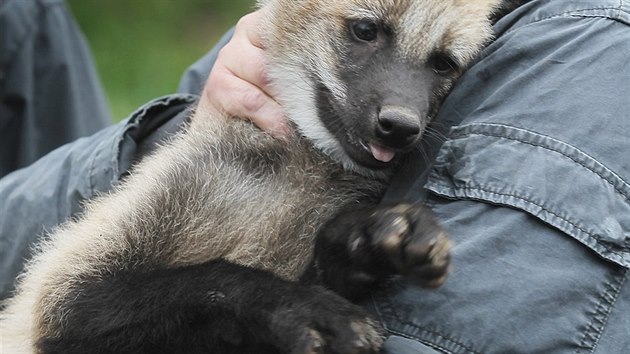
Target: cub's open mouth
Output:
[(369, 153)]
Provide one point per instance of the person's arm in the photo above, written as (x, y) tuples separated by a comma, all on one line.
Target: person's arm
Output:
[(37, 198)]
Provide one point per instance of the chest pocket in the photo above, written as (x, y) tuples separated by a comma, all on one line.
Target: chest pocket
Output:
[(541, 252), (551, 180)]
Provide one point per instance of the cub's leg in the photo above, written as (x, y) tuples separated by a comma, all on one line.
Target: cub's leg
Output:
[(358, 249), (217, 307)]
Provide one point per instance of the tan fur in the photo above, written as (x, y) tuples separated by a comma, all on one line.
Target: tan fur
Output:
[(247, 219), (192, 202), (293, 28)]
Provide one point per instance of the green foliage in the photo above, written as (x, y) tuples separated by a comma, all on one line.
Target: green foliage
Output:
[(142, 47)]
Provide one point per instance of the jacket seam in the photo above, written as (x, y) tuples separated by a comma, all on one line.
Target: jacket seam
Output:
[(423, 341), (610, 295), (612, 183), (390, 308), (589, 234), (571, 13)]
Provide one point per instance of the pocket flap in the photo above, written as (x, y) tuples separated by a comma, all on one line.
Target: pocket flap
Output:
[(549, 179)]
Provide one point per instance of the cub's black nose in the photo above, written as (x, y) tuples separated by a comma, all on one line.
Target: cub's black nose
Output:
[(398, 127)]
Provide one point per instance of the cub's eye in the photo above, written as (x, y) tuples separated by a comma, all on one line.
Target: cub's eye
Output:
[(365, 30), (443, 64)]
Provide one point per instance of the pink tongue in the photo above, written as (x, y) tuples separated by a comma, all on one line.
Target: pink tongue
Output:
[(382, 154)]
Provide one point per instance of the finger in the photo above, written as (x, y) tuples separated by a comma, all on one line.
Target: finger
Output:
[(249, 25), (248, 63), (245, 54), (242, 99)]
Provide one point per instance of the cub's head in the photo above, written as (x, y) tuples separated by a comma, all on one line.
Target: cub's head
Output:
[(362, 78)]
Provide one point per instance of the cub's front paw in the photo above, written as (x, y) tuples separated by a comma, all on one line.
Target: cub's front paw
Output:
[(317, 321), (403, 239)]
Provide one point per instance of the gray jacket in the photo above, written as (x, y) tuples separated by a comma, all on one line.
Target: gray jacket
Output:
[(532, 182), (49, 90)]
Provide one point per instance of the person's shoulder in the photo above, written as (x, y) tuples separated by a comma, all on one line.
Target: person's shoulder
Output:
[(548, 11), (19, 20)]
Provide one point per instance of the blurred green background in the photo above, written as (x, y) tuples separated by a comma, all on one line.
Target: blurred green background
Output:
[(142, 47)]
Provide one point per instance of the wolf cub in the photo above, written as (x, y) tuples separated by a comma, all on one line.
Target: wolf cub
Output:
[(227, 240)]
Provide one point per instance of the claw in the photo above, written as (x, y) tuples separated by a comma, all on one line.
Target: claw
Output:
[(316, 344), (371, 335), (413, 243), (438, 255), (395, 233)]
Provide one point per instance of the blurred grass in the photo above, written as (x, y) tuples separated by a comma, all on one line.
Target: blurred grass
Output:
[(142, 47)]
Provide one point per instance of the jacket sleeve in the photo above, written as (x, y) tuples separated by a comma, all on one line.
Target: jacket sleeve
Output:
[(37, 198)]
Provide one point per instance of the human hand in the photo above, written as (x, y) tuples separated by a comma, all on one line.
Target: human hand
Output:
[(238, 83)]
